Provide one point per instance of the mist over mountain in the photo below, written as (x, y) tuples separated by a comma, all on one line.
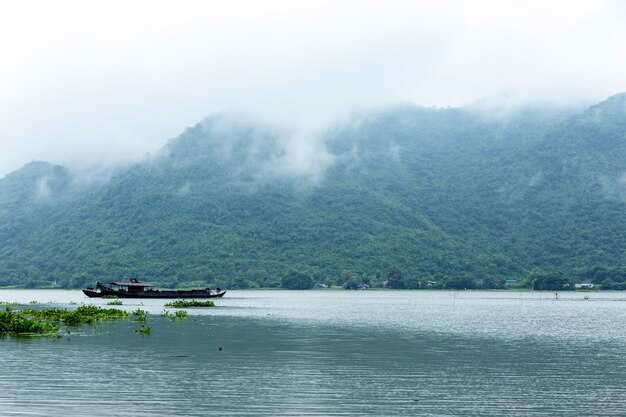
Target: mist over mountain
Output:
[(434, 193)]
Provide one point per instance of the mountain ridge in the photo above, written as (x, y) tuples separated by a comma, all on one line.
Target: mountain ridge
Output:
[(434, 193)]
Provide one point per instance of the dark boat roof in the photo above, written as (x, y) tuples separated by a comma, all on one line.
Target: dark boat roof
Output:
[(132, 284)]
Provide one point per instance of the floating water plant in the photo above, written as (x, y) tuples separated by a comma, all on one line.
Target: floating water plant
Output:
[(180, 314), (115, 303), (18, 323), (144, 330), (9, 303), (48, 320), (110, 296), (190, 303), (140, 315), (83, 314)]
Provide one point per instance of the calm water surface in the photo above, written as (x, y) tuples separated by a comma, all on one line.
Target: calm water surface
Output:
[(330, 353)]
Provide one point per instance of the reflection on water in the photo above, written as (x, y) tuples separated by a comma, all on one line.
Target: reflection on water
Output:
[(324, 353)]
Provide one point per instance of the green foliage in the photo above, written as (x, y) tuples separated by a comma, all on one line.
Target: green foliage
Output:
[(395, 278), (351, 285), (20, 323), (190, 303), (111, 296), (297, 281), (45, 321), (144, 330), (460, 282), (240, 283), (140, 315), (609, 284), (82, 315), (114, 303), (448, 196), (609, 278), (180, 314), (553, 280)]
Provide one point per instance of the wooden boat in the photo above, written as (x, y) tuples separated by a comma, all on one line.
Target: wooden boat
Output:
[(138, 289)]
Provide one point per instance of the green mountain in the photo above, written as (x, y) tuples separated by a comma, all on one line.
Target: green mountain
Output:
[(406, 195)]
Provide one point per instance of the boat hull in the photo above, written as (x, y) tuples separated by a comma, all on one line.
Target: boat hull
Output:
[(154, 293)]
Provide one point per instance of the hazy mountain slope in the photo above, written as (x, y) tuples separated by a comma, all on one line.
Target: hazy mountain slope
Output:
[(434, 192), (28, 195), (582, 193)]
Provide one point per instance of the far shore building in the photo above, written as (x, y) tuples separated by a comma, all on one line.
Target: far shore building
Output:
[(583, 286)]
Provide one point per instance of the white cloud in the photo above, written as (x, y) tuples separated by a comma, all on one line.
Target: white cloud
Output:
[(114, 79)]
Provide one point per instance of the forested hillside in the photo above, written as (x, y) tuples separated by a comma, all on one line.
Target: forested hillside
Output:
[(404, 196)]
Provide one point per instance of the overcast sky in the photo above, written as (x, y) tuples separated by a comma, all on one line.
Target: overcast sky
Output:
[(112, 80)]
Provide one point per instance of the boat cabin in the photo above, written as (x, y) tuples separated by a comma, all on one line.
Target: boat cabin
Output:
[(133, 287)]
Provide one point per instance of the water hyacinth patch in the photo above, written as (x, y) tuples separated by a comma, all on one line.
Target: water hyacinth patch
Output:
[(140, 315), (18, 323), (190, 303), (83, 314), (180, 314), (47, 321), (144, 330)]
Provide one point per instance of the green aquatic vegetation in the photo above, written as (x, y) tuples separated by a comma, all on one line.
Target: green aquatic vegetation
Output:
[(9, 303), (144, 330), (190, 303), (18, 323), (34, 302), (48, 320), (83, 314), (140, 315), (75, 318), (180, 314), (115, 303), (110, 296), (99, 313)]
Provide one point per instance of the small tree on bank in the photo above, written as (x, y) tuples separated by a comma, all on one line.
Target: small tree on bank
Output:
[(542, 280), (395, 278), (297, 281)]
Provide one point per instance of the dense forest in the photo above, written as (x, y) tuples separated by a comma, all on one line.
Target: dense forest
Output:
[(402, 197)]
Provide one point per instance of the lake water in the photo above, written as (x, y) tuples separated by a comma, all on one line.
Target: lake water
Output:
[(330, 353)]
